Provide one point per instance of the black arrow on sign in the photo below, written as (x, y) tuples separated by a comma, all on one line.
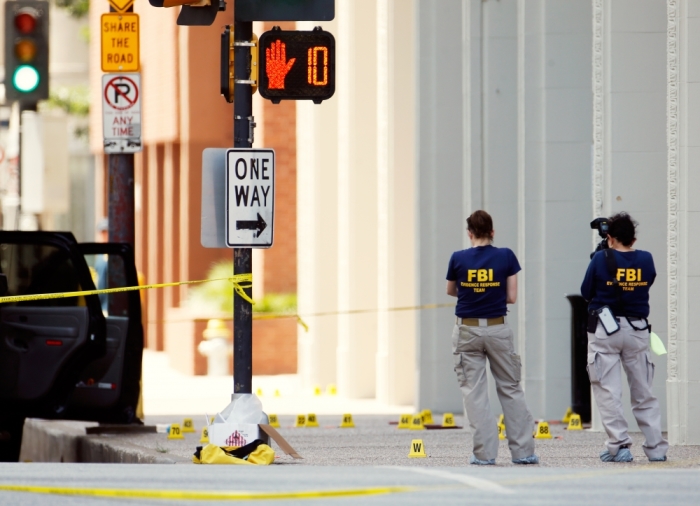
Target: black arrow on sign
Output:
[(258, 225)]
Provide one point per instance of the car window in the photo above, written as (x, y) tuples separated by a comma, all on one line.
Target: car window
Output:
[(33, 269), (108, 272)]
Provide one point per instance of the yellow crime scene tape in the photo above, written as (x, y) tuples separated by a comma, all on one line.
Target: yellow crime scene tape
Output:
[(240, 283), (237, 281), (197, 495), (271, 316)]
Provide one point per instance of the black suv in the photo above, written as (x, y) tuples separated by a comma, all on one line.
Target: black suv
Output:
[(75, 358)]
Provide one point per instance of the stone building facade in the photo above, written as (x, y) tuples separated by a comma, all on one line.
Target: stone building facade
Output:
[(546, 113)]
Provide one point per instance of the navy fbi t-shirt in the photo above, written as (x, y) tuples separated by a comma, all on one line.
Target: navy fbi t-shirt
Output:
[(635, 273), (481, 275)]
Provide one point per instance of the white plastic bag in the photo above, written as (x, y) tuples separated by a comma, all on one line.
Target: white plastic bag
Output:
[(244, 408)]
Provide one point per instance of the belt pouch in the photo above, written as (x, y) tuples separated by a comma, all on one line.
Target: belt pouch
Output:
[(592, 323)]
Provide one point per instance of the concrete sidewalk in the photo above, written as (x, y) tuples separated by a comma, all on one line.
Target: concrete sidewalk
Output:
[(374, 442)]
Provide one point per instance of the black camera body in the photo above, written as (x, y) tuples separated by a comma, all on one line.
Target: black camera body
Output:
[(602, 226)]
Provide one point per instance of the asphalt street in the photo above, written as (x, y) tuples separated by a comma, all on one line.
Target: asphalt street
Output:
[(368, 463), (381, 485)]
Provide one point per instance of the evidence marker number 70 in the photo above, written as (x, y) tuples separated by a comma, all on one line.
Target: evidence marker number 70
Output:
[(250, 197)]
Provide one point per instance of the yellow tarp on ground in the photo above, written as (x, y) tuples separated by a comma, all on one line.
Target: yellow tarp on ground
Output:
[(263, 455)]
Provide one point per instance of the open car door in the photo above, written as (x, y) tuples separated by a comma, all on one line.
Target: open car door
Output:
[(44, 344), (108, 389)]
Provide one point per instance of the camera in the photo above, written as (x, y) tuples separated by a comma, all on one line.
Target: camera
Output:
[(602, 226)]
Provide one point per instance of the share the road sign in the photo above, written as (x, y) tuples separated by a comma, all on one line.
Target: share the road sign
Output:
[(250, 197), (121, 113)]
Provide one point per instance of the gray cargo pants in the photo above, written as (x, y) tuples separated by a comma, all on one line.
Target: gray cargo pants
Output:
[(631, 347), (471, 347)]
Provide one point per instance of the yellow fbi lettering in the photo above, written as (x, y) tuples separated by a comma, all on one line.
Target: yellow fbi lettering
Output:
[(629, 274), (480, 280), (479, 275), (628, 279)]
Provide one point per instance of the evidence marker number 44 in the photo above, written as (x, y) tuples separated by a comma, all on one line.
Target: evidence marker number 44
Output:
[(250, 197)]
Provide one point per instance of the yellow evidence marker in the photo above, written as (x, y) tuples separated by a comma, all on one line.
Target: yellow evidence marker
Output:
[(448, 420), (427, 416), (259, 392), (502, 420), (301, 421), (311, 421), (542, 431), (273, 420), (501, 431), (575, 422), (277, 393), (567, 415), (347, 422), (417, 422), (205, 435), (331, 389), (417, 449), (405, 422), (317, 390), (174, 432), (188, 425)]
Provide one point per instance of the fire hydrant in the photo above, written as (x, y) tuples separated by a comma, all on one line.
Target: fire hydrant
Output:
[(216, 347)]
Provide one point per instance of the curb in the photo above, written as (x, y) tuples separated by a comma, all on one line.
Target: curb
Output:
[(66, 441)]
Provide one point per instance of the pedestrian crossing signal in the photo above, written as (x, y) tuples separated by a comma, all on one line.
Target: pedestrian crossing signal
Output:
[(297, 65)]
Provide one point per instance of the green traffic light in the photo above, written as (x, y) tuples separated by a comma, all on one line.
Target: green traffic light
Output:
[(26, 78)]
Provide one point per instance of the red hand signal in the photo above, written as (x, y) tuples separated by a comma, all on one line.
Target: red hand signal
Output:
[(276, 65)]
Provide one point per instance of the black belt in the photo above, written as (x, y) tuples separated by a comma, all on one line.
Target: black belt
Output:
[(593, 312)]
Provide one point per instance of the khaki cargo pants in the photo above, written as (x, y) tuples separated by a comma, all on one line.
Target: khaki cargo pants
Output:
[(471, 347), (631, 348)]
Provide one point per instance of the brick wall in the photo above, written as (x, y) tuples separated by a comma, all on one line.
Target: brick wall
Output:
[(280, 135)]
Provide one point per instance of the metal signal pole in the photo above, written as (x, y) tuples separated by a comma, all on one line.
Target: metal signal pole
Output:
[(242, 257), (120, 184), (121, 211)]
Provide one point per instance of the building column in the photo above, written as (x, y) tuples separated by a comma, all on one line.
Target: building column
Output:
[(357, 197), (683, 225), (170, 224), (629, 142), (553, 190), (447, 107), (154, 227), (506, 127), (317, 239), (395, 362)]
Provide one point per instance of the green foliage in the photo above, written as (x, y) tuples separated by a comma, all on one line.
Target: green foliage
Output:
[(276, 303), (74, 100), (217, 296), (85, 34), (76, 8)]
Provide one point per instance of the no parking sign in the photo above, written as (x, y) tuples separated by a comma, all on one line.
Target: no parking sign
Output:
[(121, 113)]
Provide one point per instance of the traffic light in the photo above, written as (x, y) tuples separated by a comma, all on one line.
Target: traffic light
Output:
[(26, 50), (297, 65), (285, 10), (193, 12), (227, 71)]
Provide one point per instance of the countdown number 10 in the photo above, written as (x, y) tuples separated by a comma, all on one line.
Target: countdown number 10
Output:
[(313, 64)]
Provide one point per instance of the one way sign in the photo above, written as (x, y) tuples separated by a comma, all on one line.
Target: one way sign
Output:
[(250, 197)]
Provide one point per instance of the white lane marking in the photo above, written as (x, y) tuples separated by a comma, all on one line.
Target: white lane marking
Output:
[(472, 481)]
